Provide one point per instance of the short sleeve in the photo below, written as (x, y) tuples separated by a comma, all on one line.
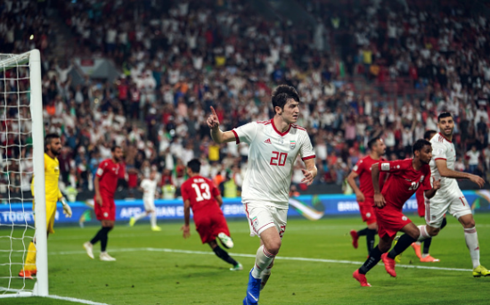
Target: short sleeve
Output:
[(185, 194), (391, 166), (438, 151), (101, 169), (306, 151), (143, 184), (426, 183), (214, 190), (245, 133), (359, 167)]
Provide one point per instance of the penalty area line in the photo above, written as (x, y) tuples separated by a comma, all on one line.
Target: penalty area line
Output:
[(303, 259)]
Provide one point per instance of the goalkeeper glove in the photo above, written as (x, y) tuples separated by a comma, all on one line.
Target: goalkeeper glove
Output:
[(66, 208)]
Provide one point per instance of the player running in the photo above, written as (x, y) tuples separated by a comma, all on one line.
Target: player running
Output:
[(450, 199), (425, 257), (274, 146), (149, 187), (406, 176), (52, 148), (364, 193), (202, 196), (105, 184)]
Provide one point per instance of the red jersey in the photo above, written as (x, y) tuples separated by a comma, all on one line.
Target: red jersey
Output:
[(108, 173), (200, 192), (403, 181), (363, 169)]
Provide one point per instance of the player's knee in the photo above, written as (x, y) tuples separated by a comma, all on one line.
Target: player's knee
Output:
[(273, 247), (433, 231)]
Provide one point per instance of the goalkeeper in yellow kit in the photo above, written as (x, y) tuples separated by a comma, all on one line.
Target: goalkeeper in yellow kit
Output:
[(52, 148)]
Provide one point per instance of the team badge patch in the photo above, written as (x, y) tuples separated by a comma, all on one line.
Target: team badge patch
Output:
[(292, 144), (255, 222), (385, 166)]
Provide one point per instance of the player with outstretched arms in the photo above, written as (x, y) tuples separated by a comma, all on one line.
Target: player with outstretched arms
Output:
[(203, 197), (450, 199), (149, 188), (52, 148), (365, 193), (274, 147), (105, 184), (406, 176)]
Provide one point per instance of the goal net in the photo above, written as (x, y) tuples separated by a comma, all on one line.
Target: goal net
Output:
[(21, 159)]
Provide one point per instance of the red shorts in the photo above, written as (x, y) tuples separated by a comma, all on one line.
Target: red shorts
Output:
[(367, 211), (390, 221), (107, 211), (210, 224)]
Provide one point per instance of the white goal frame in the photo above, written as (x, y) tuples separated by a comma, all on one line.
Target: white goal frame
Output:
[(33, 58)]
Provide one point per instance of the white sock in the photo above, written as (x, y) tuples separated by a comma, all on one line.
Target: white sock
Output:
[(267, 270), (153, 219), (471, 238), (423, 233), (263, 259), (139, 216)]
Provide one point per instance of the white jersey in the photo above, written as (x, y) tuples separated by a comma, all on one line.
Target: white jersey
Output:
[(445, 150), (271, 159), (149, 188)]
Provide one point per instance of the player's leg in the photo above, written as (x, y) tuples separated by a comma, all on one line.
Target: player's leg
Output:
[(373, 258), (141, 215), (368, 216), (225, 256), (30, 268), (425, 256), (460, 209)]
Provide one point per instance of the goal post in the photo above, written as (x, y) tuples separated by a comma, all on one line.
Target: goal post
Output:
[(14, 71)]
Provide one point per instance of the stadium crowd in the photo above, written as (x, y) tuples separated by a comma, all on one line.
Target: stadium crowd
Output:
[(179, 58)]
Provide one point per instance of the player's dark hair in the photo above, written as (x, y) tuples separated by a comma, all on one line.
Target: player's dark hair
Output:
[(428, 134), (113, 148), (372, 142), (194, 165), (419, 144), (443, 115), (49, 137), (282, 94)]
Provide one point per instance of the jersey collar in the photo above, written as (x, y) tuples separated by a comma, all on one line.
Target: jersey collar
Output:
[(282, 134), (445, 137)]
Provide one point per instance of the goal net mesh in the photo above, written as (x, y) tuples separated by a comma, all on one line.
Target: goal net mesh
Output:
[(16, 172)]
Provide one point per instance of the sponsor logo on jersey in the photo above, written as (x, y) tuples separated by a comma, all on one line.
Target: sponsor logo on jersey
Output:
[(268, 141), (292, 144)]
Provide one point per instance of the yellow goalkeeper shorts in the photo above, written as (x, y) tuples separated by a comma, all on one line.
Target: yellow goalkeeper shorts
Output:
[(50, 215)]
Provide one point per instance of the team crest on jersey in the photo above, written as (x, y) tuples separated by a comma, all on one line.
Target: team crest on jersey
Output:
[(422, 178), (292, 144)]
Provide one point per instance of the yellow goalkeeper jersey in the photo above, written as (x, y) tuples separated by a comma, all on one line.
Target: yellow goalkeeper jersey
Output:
[(51, 179)]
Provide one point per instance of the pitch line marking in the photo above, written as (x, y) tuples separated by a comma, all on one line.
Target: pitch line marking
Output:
[(303, 259), (81, 301)]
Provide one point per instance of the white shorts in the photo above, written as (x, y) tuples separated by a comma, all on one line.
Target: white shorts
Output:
[(149, 204), (454, 203), (261, 216)]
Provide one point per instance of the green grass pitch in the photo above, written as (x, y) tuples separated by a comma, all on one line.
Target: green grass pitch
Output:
[(146, 273)]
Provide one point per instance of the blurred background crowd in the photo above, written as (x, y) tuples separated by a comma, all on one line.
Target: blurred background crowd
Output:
[(363, 68)]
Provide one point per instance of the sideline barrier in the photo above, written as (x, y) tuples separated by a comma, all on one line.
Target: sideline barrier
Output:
[(312, 207)]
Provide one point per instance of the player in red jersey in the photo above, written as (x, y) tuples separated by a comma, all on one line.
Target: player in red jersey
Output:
[(202, 196), (365, 193), (406, 176), (424, 256), (105, 184)]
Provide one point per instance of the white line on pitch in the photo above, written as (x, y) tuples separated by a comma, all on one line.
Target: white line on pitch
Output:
[(304, 259), (81, 301)]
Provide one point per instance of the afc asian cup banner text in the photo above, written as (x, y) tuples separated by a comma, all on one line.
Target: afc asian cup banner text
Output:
[(312, 207)]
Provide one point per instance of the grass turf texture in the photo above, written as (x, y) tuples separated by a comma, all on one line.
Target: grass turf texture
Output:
[(150, 276)]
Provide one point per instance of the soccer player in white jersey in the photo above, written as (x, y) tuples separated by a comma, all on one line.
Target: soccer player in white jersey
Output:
[(274, 146), (450, 198), (149, 187)]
